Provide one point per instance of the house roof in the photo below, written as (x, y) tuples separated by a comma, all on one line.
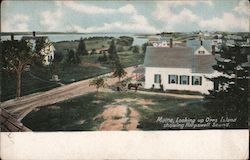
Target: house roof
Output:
[(195, 44), (178, 58)]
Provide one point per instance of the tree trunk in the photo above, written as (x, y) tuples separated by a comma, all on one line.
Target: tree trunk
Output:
[(18, 84)]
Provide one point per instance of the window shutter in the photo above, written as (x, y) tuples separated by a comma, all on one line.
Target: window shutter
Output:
[(176, 77), (168, 79), (200, 80), (192, 80), (188, 80)]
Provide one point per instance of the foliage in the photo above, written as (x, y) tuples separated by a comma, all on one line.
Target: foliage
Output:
[(112, 51), (98, 83), (229, 96), (136, 49), (103, 58), (125, 41), (119, 70), (73, 57), (81, 50), (144, 47), (17, 55), (58, 57), (120, 49)]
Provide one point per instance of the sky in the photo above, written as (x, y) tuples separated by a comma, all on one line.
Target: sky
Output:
[(125, 16)]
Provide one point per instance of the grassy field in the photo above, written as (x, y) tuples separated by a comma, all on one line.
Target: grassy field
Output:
[(78, 113), (89, 67), (68, 73), (29, 85), (63, 46)]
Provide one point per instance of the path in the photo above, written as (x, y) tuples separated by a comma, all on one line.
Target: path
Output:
[(19, 106), (119, 117)]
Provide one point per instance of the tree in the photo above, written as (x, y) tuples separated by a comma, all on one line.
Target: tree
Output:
[(119, 71), (81, 50), (112, 51), (73, 57), (144, 47), (103, 58), (98, 83), (136, 49), (17, 55), (229, 96), (58, 57)]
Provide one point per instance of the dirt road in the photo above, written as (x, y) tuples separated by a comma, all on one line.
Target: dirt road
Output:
[(118, 117), (21, 105)]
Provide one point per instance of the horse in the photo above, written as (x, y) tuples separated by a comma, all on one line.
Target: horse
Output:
[(134, 85)]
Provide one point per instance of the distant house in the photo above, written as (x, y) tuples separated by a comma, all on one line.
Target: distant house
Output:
[(48, 51), (201, 46), (234, 37), (230, 43), (217, 41), (180, 68)]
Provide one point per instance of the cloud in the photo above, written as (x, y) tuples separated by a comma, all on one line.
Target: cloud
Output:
[(242, 8), (139, 24), (135, 22), (130, 9), (166, 14), (16, 23), (92, 9), (184, 15), (227, 22), (51, 20), (187, 3)]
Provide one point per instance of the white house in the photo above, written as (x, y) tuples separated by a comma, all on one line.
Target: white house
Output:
[(182, 68), (48, 51)]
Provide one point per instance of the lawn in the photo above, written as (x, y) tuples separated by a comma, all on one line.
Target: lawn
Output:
[(88, 68), (79, 114), (29, 85), (67, 73)]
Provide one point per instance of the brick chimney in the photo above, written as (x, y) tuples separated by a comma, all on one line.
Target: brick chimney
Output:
[(213, 49), (34, 33), (171, 43), (12, 37)]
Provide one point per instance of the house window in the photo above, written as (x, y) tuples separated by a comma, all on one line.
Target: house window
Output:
[(184, 80), (196, 80), (201, 52), (157, 78), (172, 79)]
